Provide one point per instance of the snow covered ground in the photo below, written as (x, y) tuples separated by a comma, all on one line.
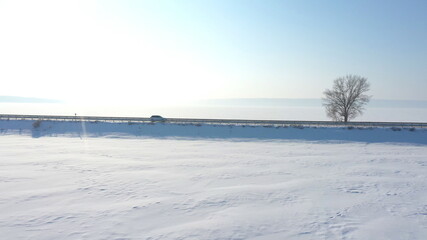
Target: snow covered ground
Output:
[(165, 130), (65, 180)]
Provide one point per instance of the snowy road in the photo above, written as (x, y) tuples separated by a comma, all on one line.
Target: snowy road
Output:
[(145, 188), (244, 122)]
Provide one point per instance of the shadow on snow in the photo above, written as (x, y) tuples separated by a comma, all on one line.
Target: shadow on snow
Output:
[(206, 131)]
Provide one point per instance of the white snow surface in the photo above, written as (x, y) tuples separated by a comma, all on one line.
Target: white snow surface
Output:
[(65, 180)]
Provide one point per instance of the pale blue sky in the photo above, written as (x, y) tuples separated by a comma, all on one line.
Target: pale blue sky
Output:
[(137, 50)]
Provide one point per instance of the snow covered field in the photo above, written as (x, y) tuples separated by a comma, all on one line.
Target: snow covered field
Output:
[(119, 181)]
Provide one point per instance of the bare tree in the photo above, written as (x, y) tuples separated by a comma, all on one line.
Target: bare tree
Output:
[(347, 98)]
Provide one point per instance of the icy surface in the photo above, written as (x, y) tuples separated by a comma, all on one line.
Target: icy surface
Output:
[(262, 109), (130, 186)]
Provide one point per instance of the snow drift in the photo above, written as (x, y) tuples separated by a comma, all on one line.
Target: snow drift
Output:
[(160, 189), (162, 130)]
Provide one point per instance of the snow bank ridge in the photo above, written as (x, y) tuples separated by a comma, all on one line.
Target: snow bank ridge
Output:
[(161, 130)]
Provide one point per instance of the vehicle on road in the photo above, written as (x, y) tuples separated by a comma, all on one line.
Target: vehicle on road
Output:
[(157, 118)]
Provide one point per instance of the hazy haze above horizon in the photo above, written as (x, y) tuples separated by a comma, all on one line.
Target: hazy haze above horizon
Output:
[(171, 51)]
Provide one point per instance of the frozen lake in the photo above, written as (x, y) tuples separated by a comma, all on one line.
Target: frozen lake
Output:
[(268, 110)]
